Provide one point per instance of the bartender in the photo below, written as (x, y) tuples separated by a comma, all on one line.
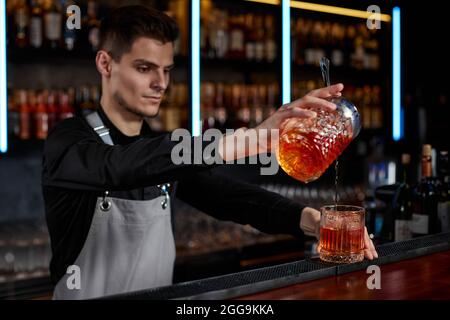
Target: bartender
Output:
[(108, 179)]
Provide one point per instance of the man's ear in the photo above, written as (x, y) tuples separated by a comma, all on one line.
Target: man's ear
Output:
[(103, 62)]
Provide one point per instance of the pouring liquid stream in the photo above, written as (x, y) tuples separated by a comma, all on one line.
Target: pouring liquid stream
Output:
[(336, 181), (325, 68)]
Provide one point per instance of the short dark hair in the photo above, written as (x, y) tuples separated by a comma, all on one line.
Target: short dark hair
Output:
[(125, 24)]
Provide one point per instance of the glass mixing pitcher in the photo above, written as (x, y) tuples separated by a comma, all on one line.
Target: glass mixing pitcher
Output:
[(308, 146)]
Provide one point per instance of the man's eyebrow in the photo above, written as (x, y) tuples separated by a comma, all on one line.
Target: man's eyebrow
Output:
[(151, 64)]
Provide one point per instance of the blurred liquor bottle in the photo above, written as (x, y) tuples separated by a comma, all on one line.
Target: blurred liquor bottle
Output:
[(403, 207), (443, 209), (424, 218), (36, 25), (21, 22), (52, 24)]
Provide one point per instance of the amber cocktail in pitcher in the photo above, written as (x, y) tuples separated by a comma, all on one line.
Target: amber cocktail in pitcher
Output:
[(342, 234)]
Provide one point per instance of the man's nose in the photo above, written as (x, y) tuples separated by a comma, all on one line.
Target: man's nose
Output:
[(159, 81)]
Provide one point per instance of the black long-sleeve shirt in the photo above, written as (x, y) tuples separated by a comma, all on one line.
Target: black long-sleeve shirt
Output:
[(78, 167)]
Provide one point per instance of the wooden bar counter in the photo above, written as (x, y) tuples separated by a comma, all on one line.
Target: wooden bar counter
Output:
[(426, 277)]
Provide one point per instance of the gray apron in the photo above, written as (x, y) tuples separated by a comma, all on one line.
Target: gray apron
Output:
[(129, 247)]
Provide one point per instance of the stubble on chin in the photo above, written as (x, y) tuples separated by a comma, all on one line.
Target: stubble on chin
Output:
[(132, 109)]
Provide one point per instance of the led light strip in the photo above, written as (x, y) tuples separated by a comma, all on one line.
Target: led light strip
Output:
[(397, 112), (195, 65), (337, 10), (286, 52), (274, 2), (3, 85), (327, 9)]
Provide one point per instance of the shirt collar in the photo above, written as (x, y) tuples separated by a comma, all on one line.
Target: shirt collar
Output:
[(116, 135)]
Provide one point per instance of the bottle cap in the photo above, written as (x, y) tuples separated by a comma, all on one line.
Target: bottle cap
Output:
[(406, 158), (426, 150)]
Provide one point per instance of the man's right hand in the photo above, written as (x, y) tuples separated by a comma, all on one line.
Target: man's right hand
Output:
[(316, 99)]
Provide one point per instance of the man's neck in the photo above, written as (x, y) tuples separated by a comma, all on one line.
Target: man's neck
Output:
[(127, 122)]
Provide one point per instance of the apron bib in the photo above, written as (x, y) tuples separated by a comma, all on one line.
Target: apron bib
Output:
[(129, 247)]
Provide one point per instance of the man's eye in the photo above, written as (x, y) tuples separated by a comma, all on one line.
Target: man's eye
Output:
[(143, 69)]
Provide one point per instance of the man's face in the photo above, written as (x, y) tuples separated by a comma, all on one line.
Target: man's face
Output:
[(139, 80)]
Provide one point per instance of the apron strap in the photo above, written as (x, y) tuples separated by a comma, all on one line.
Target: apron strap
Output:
[(94, 120), (96, 123)]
